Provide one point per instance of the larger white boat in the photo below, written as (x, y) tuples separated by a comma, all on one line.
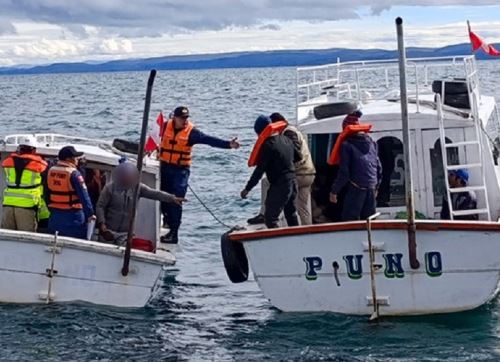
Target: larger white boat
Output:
[(41, 268), (367, 267)]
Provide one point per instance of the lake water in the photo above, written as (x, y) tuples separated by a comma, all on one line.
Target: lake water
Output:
[(200, 315)]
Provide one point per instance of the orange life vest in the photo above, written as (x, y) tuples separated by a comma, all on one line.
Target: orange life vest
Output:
[(270, 130), (334, 158), (175, 148), (62, 195), (37, 163)]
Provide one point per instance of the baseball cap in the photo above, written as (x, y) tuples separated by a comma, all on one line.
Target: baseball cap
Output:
[(182, 112), (462, 174), (68, 152)]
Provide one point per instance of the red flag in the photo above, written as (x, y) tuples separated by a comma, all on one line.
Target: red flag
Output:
[(477, 43), (154, 138)]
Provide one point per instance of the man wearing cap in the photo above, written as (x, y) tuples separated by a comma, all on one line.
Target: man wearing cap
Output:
[(304, 172), (69, 202), (360, 171), (113, 208), (178, 138), (459, 200), (276, 159), (23, 203)]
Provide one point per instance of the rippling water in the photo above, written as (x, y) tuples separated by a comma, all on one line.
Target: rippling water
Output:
[(200, 315)]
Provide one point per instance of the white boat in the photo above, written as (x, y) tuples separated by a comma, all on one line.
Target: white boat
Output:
[(330, 266), (39, 268)]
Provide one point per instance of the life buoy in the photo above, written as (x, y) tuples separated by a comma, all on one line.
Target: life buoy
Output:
[(234, 258), (271, 129), (334, 158)]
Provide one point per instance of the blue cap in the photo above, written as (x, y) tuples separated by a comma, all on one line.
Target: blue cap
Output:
[(260, 123), (462, 174)]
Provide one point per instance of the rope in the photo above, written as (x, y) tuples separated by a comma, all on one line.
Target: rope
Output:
[(208, 209)]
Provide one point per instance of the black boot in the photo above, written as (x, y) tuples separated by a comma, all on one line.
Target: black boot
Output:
[(170, 238), (259, 219)]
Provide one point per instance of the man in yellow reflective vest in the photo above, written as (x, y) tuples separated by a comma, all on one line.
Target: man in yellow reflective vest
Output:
[(23, 203)]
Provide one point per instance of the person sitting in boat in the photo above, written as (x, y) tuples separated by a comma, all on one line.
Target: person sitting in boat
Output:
[(115, 202), (459, 200), (304, 172), (179, 136), (23, 202), (360, 171), (69, 201), (275, 155)]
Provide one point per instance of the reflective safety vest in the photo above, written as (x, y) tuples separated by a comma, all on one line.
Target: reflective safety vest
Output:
[(348, 131), (24, 180), (175, 148), (62, 194), (271, 129)]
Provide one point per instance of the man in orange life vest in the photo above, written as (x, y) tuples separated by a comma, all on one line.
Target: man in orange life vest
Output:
[(178, 138), (69, 201), (360, 170), (23, 203)]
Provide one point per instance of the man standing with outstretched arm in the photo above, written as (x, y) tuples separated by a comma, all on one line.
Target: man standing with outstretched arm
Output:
[(178, 138)]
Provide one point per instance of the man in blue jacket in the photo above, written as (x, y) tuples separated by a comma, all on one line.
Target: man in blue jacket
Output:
[(69, 201), (178, 138), (360, 171)]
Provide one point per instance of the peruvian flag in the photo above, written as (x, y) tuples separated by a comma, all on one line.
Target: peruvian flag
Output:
[(154, 137), (477, 43)]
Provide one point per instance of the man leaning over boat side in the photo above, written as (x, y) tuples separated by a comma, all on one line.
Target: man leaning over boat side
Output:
[(178, 138), (276, 158), (23, 202), (69, 201), (114, 205), (360, 171), (304, 172), (459, 200)]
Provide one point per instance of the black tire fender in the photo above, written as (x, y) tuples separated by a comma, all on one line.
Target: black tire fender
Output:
[(334, 109), (234, 258), (450, 87), (126, 146)]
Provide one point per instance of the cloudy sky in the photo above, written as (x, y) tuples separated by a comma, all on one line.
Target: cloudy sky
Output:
[(47, 31)]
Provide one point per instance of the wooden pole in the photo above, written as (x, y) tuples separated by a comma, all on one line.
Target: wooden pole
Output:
[(410, 206), (140, 159)]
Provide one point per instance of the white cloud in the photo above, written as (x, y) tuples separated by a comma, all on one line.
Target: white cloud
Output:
[(116, 46)]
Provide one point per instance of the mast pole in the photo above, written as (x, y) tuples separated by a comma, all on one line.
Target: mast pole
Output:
[(410, 205)]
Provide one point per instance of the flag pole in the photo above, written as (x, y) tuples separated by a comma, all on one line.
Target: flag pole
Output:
[(410, 205)]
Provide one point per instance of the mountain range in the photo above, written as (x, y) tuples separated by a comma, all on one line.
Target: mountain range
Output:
[(273, 58)]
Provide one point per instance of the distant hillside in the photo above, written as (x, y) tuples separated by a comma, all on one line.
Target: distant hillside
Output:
[(275, 58)]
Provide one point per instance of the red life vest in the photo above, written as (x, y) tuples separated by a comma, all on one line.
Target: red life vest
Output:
[(270, 130), (348, 131), (62, 195), (175, 148)]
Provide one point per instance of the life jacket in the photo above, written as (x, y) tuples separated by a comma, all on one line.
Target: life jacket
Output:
[(23, 178), (62, 194), (306, 165), (175, 148), (347, 132), (271, 129)]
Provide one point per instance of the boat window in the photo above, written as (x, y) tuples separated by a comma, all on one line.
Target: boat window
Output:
[(391, 191), (438, 179)]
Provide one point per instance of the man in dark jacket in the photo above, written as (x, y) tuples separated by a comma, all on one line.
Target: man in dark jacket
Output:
[(276, 159), (459, 200), (360, 170)]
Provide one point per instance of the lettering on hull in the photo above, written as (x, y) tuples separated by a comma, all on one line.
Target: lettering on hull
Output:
[(393, 265)]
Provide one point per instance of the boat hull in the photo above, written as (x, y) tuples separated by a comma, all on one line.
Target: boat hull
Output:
[(82, 271), (459, 267)]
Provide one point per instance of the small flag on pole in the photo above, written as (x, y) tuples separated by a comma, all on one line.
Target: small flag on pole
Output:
[(478, 43), (154, 137)]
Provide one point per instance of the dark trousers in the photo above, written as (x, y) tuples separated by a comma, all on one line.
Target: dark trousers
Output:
[(174, 180), (281, 198), (358, 203), (68, 223)]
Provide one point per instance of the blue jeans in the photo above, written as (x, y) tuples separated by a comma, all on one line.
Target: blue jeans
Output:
[(174, 180), (70, 223), (359, 204)]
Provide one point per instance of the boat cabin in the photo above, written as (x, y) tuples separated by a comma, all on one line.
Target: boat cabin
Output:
[(100, 159), (465, 119)]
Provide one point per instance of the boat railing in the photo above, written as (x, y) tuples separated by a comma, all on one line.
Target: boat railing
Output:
[(47, 139), (375, 79)]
